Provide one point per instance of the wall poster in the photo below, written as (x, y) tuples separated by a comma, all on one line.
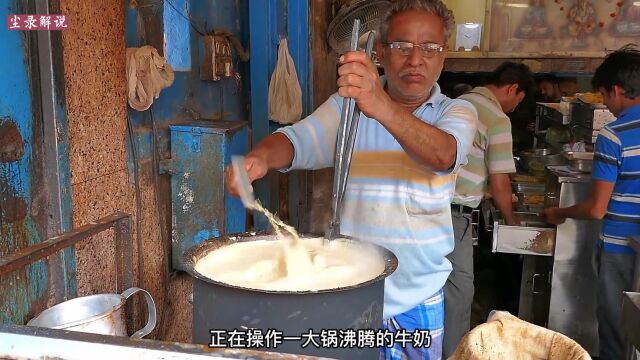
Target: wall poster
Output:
[(561, 26)]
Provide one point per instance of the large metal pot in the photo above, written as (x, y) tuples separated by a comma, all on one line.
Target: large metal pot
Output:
[(221, 306), (98, 314)]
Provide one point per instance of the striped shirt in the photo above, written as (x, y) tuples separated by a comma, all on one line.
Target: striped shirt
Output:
[(492, 151), (390, 199), (617, 160)]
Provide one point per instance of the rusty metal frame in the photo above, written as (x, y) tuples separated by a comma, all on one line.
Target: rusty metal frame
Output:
[(49, 99), (120, 223)]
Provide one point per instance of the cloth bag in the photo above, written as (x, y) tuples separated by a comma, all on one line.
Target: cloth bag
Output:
[(147, 74), (285, 95), (504, 336)]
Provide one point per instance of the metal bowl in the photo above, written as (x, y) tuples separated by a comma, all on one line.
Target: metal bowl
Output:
[(554, 159), (543, 151)]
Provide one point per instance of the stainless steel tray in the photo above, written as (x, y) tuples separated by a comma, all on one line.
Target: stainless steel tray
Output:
[(529, 189), (531, 237)]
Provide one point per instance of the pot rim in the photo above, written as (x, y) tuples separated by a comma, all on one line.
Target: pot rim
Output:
[(538, 152), (82, 321), (195, 253)]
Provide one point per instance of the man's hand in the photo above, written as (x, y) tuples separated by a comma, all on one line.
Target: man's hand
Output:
[(256, 168), (552, 216), (511, 221), (358, 79)]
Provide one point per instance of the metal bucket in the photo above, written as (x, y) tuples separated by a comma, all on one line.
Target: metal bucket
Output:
[(98, 314), (222, 307)]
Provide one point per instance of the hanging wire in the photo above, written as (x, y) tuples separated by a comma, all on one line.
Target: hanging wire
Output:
[(186, 17), (191, 21), (167, 312), (138, 192)]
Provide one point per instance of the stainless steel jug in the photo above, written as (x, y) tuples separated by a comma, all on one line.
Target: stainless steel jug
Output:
[(98, 314)]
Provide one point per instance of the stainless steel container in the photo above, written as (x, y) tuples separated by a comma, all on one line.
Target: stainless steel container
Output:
[(581, 165), (580, 161), (529, 196), (531, 237), (535, 160), (97, 314), (528, 189), (221, 306)]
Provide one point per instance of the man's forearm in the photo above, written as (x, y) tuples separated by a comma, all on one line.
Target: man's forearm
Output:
[(500, 186), (583, 210), (425, 143), (275, 150), (592, 208)]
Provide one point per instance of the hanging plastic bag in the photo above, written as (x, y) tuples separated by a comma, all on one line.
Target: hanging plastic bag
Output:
[(285, 95), (147, 74)]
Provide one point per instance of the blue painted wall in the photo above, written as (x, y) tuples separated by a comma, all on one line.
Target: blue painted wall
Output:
[(179, 25), (176, 35), (189, 98), (23, 290), (260, 23)]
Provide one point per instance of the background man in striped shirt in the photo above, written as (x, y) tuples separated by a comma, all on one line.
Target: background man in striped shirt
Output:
[(410, 141), (490, 162), (615, 192)]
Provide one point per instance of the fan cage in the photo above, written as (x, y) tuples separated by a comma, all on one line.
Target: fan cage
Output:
[(370, 14)]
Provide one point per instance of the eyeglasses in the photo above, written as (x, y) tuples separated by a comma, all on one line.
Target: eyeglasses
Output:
[(428, 49)]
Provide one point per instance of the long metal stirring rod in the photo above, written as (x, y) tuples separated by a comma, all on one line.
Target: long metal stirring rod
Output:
[(343, 132), (345, 142), (353, 129)]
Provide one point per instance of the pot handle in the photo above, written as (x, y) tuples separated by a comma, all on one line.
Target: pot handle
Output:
[(151, 309)]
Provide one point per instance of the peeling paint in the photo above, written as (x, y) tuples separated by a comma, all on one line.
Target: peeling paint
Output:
[(200, 205), (12, 208), (186, 193), (11, 143)]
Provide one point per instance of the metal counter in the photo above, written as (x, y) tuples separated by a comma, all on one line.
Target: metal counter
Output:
[(572, 307), (634, 242), (630, 321), (631, 307), (564, 174), (23, 342)]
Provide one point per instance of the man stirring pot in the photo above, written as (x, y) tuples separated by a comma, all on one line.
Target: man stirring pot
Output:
[(410, 141)]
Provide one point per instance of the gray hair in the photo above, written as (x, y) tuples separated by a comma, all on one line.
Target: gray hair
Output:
[(436, 7)]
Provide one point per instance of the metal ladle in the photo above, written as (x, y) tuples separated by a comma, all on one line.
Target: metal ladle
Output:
[(345, 141)]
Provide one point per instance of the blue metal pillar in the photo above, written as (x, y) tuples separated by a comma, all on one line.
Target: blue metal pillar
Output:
[(264, 38), (56, 166), (34, 165), (299, 48)]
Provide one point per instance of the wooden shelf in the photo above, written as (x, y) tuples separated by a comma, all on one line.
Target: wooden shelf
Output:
[(488, 61), (522, 55)]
